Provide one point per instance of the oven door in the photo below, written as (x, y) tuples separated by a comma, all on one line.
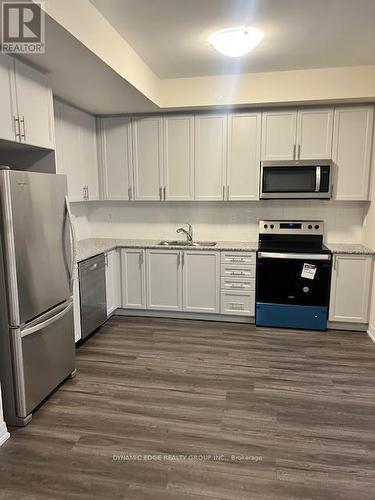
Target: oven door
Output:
[(295, 181), (292, 289)]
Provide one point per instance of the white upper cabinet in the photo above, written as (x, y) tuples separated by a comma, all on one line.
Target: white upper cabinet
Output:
[(115, 158), (304, 134), (279, 135), (76, 151), (133, 278), (244, 130), (352, 144), (35, 106), (350, 288), (201, 281), (148, 158), (210, 156), (178, 175), (8, 112), (164, 280), (314, 134)]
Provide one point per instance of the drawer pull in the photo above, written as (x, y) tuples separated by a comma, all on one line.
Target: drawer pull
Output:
[(237, 273), (234, 285), (237, 306)]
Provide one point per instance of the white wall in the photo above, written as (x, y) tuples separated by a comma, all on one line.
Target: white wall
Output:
[(4, 434), (217, 221)]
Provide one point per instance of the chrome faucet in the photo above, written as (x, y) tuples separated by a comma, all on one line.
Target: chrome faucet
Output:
[(188, 233)]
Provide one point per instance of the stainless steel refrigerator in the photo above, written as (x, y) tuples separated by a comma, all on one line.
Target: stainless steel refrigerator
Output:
[(37, 350)]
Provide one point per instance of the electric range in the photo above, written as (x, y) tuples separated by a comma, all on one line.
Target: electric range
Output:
[(293, 275)]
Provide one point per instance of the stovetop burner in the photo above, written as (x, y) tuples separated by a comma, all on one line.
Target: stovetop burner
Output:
[(292, 236)]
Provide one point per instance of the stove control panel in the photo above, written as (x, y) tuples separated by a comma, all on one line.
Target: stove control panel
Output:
[(291, 227)]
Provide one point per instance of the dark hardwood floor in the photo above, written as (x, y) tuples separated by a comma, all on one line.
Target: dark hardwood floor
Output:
[(268, 414)]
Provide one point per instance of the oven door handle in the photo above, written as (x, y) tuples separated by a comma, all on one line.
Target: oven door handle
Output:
[(318, 179), (295, 256)]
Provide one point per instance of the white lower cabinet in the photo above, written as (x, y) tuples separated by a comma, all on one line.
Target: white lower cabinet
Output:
[(133, 278), (164, 280), (350, 288), (201, 281), (113, 280)]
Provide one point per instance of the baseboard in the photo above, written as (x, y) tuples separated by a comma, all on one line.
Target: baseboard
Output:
[(184, 315), (371, 332), (342, 325), (4, 434)]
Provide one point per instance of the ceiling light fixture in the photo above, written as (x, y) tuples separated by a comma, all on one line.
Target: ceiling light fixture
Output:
[(236, 42)]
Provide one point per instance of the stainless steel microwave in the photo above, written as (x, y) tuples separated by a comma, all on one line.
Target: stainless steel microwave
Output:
[(296, 179)]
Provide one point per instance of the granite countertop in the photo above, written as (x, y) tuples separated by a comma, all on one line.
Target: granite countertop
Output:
[(350, 248), (95, 246)]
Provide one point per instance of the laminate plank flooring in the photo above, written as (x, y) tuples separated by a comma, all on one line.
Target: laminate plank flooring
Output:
[(165, 409)]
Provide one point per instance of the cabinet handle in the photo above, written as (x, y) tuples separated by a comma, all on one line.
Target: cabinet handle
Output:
[(223, 193), (294, 152), (299, 152), (140, 259), (183, 258), (129, 192), (165, 193), (17, 129), (106, 259), (334, 262), (178, 259), (23, 134), (228, 192), (88, 192), (160, 193), (234, 285)]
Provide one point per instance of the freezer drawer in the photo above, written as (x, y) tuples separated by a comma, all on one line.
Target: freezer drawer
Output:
[(92, 288), (47, 355)]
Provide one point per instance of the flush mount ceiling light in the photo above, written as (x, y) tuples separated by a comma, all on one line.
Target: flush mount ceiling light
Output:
[(236, 42)]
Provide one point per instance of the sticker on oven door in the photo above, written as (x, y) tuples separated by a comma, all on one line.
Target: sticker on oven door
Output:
[(308, 271)]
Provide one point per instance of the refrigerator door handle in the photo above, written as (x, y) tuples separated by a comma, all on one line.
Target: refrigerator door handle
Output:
[(74, 243), (47, 322)]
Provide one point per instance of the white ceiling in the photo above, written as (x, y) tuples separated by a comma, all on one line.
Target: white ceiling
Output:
[(171, 35)]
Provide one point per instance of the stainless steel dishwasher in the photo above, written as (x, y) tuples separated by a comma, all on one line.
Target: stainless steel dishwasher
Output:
[(92, 291)]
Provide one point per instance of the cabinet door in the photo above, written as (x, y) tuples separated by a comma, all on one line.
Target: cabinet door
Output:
[(201, 281), (147, 157), (115, 158), (35, 107), (113, 280), (179, 157), (350, 288), (133, 279), (314, 134), (68, 152), (244, 131), (210, 156), (352, 143), (89, 154), (279, 130), (164, 280), (7, 104)]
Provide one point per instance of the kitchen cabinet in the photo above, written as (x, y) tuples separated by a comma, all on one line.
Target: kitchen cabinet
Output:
[(201, 281), (114, 136), (133, 278), (34, 105), (178, 171), (113, 280), (304, 134), (148, 158), (164, 280), (8, 112), (279, 135), (314, 134), (350, 288), (76, 151), (352, 145), (26, 104), (244, 132), (210, 156)]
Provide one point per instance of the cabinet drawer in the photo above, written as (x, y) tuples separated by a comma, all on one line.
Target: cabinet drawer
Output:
[(238, 257), (238, 284), (237, 271), (238, 303)]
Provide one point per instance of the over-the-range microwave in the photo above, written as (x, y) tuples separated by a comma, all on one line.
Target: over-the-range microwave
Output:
[(296, 179)]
